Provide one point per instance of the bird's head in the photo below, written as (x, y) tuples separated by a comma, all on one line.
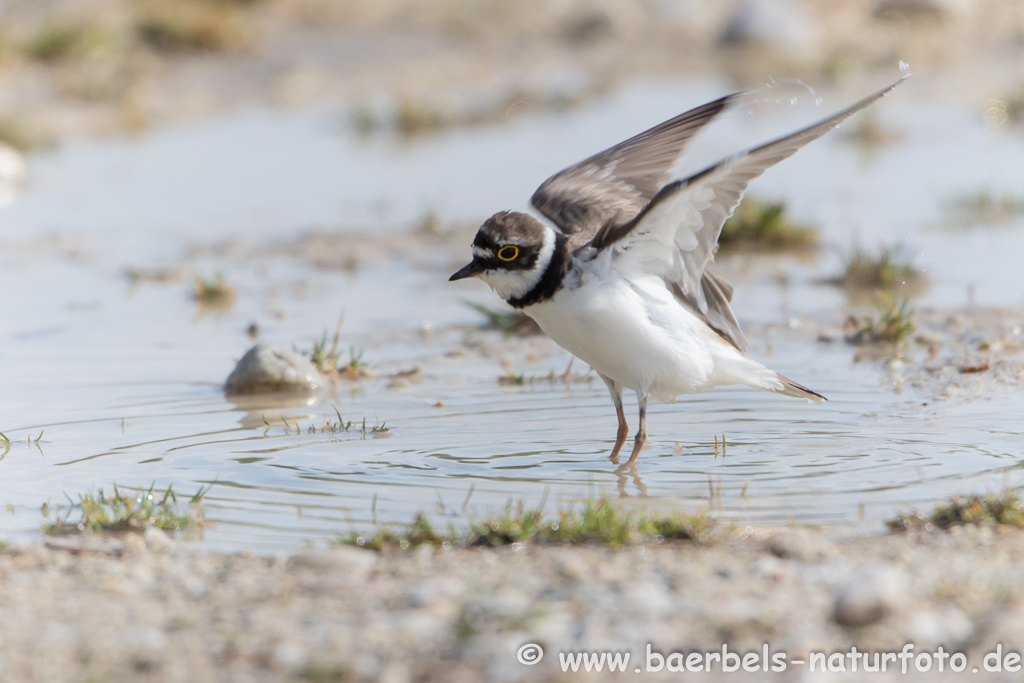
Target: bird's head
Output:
[(511, 251)]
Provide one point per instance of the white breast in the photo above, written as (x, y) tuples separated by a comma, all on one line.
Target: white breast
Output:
[(631, 330)]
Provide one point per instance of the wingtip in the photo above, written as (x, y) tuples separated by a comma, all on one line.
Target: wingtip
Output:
[(791, 388)]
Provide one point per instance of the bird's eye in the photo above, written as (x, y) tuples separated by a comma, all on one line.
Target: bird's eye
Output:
[(508, 253)]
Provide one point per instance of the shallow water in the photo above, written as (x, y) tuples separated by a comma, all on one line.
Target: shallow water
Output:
[(124, 381)]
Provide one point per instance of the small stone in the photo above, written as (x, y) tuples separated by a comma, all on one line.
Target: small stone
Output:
[(289, 655), (873, 593), (12, 173), (157, 539), (831, 334), (134, 544), (947, 624), (355, 563), (777, 24), (266, 368), (770, 568), (800, 544), (913, 9)]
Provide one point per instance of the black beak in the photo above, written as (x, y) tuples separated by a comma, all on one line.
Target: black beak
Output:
[(468, 271)]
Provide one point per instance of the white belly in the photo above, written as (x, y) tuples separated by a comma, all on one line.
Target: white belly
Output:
[(634, 332)]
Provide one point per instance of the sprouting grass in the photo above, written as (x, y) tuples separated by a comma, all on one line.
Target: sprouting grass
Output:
[(213, 293), (137, 276), (982, 207), (323, 357), (329, 426), (415, 118), (892, 324), (884, 269), (596, 521), (512, 379), (194, 26), (507, 321), (57, 41), (758, 225), (411, 116), (868, 133), (54, 41), (355, 367), (1005, 507), (125, 511)]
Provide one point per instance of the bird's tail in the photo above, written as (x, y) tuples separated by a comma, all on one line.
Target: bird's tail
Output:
[(791, 388)]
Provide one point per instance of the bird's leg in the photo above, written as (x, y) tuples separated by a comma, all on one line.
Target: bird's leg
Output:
[(620, 436), (641, 434)]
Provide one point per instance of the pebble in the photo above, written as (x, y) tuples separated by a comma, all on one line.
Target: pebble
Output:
[(800, 544), (355, 563), (778, 24), (157, 539), (266, 368), (944, 625), (874, 592), (12, 173)]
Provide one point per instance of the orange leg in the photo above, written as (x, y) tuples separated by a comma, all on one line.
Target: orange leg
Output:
[(620, 436), (641, 434)]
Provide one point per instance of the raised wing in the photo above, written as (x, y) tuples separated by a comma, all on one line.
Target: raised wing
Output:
[(676, 234), (613, 186)]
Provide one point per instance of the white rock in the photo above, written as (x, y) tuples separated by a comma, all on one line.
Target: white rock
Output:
[(779, 24), (800, 544), (770, 568), (266, 368), (874, 592), (157, 539), (945, 625), (354, 563), (289, 655), (12, 173)]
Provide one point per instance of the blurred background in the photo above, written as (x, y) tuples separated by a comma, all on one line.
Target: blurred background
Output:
[(184, 178)]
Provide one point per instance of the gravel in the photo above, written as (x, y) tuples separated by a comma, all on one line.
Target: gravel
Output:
[(148, 608)]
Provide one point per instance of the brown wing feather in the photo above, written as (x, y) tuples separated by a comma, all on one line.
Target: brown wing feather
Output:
[(613, 186), (677, 231)]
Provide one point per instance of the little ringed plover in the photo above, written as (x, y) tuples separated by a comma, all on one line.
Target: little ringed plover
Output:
[(622, 280)]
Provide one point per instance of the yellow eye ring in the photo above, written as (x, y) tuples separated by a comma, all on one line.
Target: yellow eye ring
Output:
[(508, 252)]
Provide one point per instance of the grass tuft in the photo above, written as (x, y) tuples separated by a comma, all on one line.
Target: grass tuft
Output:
[(759, 225), (194, 26), (893, 323), (213, 293), (125, 512), (599, 522), (324, 358), (885, 269), (983, 208), (53, 42), (1005, 507), (413, 118), (342, 426), (866, 132), (513, 379)]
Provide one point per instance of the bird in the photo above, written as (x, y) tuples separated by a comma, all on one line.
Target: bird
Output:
[(621, 277)]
